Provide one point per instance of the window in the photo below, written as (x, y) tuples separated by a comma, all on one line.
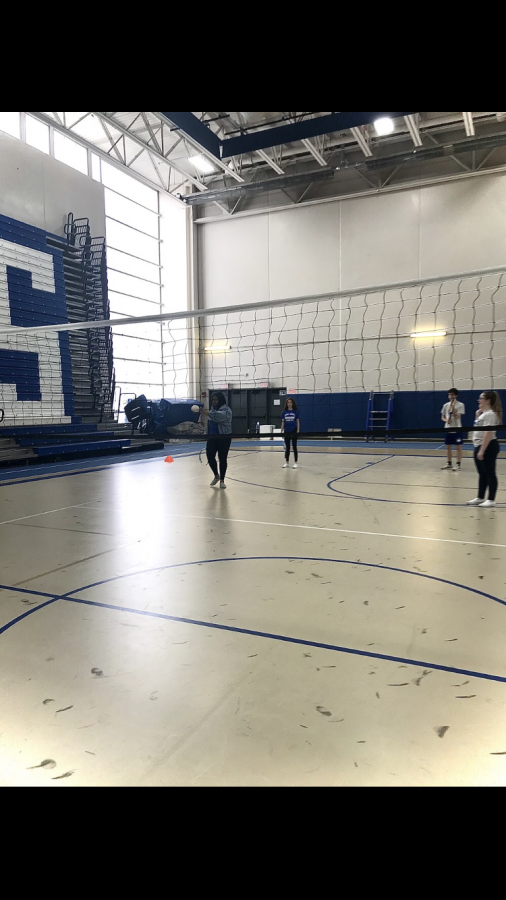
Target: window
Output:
[(131, 213), (129, 187), (124, 238), (96, 170), (67, 151), (122, 306), (138, 218), (123, 262), (149, 331), (136, 349), (134, 287), (10, 123), (37, 134)]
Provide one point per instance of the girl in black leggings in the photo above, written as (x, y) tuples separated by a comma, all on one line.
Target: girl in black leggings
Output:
[(290, 427), (486, 448), (219, 437)]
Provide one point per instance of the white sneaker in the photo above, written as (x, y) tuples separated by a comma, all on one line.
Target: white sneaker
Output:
[(476, 502), (286, 466), (489, 504), (295, 466), (457, 468), (223, 485), (214, 482), (446, 468)]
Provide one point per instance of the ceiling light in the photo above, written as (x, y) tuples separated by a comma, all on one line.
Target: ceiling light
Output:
[(429, 334), (384, 126), (202, 165)]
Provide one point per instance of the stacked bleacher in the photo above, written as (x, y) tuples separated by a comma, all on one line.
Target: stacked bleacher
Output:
[(24, 445), (57, 390)]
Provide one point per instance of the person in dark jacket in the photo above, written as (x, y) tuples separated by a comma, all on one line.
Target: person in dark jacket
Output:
[(219, 437)]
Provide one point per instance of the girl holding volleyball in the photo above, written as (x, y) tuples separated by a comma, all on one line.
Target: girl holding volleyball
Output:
[(219, 437)]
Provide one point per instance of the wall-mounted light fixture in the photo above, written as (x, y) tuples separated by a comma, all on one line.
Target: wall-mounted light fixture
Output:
[(429, 334)]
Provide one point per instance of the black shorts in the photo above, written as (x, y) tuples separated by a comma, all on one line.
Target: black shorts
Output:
[(454, 439)]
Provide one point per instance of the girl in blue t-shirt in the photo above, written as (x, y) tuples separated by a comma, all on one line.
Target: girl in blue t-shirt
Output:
[(290, 427)]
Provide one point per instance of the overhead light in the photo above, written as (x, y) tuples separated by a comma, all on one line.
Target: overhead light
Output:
[(202, 164), (429, 334), (384, 126), (218, 347)]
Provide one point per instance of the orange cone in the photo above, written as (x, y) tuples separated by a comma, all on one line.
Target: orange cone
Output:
[(169, 459)]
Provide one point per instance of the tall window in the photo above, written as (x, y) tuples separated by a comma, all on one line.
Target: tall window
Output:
[(133, 271), (147, 358)]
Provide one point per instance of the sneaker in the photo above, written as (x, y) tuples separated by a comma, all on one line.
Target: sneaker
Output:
[(214, 482), (447, 468), (477, 502), (223, 485), (488, 504), (286, 466), (295, 466), (457, 468)]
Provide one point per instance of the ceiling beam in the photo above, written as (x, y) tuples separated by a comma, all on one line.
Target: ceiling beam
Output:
[(273, 184), (361, 141), (103, 154), (272, 137), (414, 130), (469, 123), (314, 152), (298, 131), (149, 149), (260, 153), (270, 162), (209, 154), (194, 129)]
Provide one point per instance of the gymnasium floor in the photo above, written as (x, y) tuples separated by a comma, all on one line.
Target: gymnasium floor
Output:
[(342, 624)]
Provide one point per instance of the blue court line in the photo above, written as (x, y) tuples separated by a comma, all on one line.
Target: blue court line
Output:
[(368, 466), (354, 496), (5, 481), (334, 444), (104, 461), (20, 590), (92, 462), (282, 638), (403, 502), (344, 562), (297, 641)]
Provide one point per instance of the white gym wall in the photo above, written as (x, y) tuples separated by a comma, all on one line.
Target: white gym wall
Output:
[(41, 191), (346, 244)]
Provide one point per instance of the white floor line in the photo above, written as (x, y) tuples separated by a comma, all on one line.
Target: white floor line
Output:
[(47, 513), (405, 537)]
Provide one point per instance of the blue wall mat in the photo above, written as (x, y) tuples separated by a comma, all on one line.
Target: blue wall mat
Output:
[(412, 409)]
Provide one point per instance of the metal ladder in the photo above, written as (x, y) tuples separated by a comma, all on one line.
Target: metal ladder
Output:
[(379, 419)]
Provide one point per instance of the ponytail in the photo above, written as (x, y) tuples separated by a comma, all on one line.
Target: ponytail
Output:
[(495, 403)]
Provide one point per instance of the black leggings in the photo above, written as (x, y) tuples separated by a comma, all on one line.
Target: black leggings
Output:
[(292, 437), (487, 470), (220, 446)]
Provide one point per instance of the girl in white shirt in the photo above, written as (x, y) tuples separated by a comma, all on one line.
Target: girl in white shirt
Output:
[(486, 447)]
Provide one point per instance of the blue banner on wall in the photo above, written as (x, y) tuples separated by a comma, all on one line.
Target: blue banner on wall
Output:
[(35, 370)]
